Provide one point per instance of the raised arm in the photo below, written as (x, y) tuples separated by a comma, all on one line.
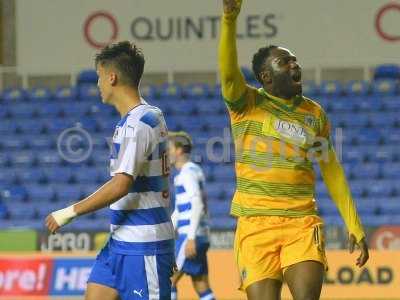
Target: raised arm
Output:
[(232, 81)]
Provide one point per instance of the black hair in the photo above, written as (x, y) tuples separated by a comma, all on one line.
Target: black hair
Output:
[(259, 60), (126, 58), (181, 140)]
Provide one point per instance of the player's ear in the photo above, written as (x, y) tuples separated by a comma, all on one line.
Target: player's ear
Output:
[(113, 78), (266, 76)]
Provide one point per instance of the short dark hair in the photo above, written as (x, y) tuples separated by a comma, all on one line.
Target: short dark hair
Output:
[(182, 140), (259, 59), (126, 58)]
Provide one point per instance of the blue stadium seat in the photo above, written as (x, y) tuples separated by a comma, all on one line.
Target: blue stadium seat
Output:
[(370, 104), (216, 91), (68, 192), (391, 105), (43, 210), (103, 173), (333, 220), (384, 87), (340, 105), (30, 126), (149, 92), (64, 94), (327, 207), (392, 137), (88, 189), (171, 91), (183, 107), (89, 92), (21, 110), (391, 170), (13, 193), (227, 223), (39, 94), (389, 207), (14, 95), (368, 206), (197, 91), (369, 137), (84, 175), (13, 142), (39, 192), (3, 112), (100, 158), (214, 191), (352, 120), (107, 126), (218, 209), (331, 88), (310, 89), (88, 124), (23, 158), (48, 109), (7, 177), (4, 159), (321, 191), (57, 125), (358, 188), (376, 220), (22, 211), (8, 127), (29, 175), (379, 188), (383, 119), (74, 109), (390, 71), (213, 107), (366, 171), (40, 142), (87, 77), (49, 158), (100, 110), (58, 174), (100, 141), (383, 153), (357, 88), (224, 173)]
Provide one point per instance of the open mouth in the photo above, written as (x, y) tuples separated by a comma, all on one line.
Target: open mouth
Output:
[(296, 76)]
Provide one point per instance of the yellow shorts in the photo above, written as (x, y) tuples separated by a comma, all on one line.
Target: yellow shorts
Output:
[(266, 245)]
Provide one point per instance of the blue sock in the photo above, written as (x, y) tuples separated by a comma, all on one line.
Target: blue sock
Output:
[(207, 295), (174, 293)]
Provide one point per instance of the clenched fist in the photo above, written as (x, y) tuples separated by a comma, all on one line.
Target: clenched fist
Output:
[(232, 7)]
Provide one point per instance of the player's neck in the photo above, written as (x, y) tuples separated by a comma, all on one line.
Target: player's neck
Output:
[(273, 92), (181, 161), (126, 100)]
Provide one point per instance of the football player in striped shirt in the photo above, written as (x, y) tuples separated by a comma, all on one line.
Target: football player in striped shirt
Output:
[(190, 217), (277, 132), (138, 259)]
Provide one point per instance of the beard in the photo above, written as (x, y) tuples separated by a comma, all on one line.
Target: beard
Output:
[(285, 87)]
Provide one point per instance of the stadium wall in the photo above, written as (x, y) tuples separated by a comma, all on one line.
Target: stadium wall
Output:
[(66, 275), (62, 37)]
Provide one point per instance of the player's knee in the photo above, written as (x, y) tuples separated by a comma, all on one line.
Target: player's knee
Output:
[(306, 295)]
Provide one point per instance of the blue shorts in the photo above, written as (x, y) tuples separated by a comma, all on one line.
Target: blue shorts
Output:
[(134, 276), (195, 266)]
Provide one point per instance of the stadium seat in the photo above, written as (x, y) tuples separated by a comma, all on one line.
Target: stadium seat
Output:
[(356, 88), (384, 87), (171, 91), (369, 104), (214, 191), (327, 207), (369, 137), (87, 77), (21, 110), (39, 94), (41, 193), (391, 105), (85, 175), (13, 142), (40, 142), (89, 92), (218, 209), (22, 211), (389, 207), (13, 193), (149, 92), (183, 107), (197, 91), (224, 173), (358, 188), (49, 158), (67, 192), (310, 89), (23, 158), (66, 94), (379, 188), (74, 109), (100, 110), (4, 159), (30, 126), (366, 171), (14, 95), (8, 127), (29, 175), (392, 137), (213, 107), (331, 88), (352, 120), (383, 119), (58, 174), (391, 170), (7, 177), (390, 71), (226, 223)]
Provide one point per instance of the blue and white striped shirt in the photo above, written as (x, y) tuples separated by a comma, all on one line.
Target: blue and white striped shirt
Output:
[(190, 216), (140, 223)]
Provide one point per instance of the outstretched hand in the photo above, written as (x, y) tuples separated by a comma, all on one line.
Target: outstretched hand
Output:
[(362, 245), (232, 6)]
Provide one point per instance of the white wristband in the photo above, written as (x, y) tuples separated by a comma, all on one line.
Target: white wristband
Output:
[(64, 216)]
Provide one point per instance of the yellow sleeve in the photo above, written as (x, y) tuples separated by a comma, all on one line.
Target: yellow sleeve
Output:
[(335, 180), (232, 80)]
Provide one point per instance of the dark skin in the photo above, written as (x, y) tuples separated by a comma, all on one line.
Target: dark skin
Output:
[(281, 77)]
